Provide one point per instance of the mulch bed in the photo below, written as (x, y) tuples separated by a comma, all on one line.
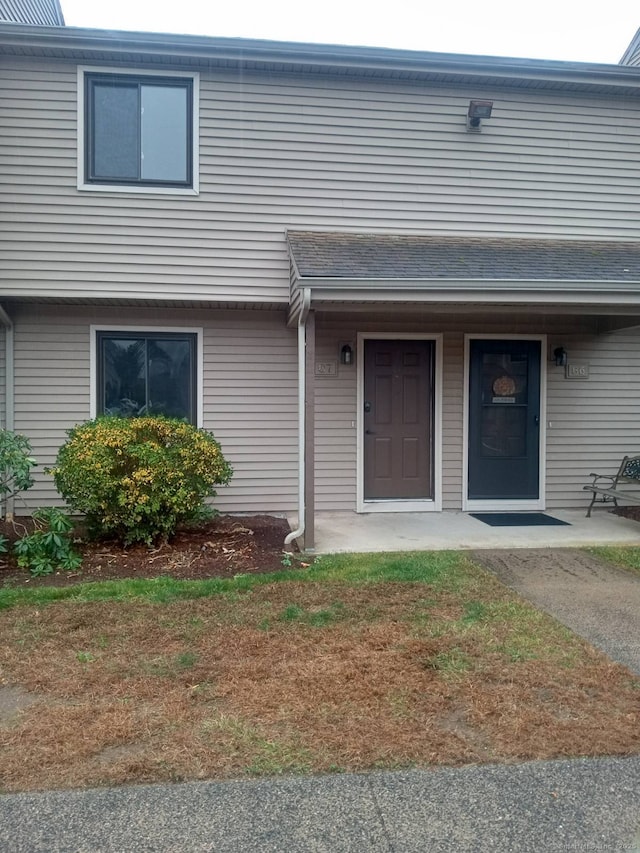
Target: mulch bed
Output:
[(224, 547), (227, 546), (632, 512)]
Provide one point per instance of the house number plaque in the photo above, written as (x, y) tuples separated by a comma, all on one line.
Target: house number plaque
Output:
[(326, 368)]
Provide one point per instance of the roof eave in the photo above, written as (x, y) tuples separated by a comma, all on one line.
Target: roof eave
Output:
[(384, 61)]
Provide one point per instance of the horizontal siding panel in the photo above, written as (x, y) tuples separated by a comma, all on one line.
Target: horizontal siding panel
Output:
[(593, 422), (250, 401), (258, 433), (287, 151)]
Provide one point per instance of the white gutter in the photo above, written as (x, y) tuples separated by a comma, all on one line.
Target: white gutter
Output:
[(9, 423), (303, 56), (302, 394), (551, 285)]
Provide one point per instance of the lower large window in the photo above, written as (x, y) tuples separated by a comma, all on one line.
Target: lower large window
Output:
[(146, 373)]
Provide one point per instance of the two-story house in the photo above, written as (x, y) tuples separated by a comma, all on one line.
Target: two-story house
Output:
[(386, 280)]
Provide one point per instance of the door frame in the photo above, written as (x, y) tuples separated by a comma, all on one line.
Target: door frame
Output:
[(401, 505), (508, 504)]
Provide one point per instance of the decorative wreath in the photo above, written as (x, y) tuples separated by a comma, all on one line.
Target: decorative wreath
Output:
[(504, 386)]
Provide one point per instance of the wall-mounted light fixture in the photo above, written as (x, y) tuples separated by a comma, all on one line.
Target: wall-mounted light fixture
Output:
[(477, 111), (560, 355), (346, 354)]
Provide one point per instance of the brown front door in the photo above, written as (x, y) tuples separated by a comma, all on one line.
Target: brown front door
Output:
[(398, 419)]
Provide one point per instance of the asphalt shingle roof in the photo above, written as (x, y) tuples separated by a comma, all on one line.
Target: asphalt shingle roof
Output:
[(376, 256)]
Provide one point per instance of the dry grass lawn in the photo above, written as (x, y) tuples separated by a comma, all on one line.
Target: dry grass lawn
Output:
[(311, 674)]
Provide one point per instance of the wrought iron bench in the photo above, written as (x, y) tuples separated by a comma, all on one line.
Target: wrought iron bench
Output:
[(608, 486)]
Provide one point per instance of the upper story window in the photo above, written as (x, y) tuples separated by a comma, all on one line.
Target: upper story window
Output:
[(139, 131)]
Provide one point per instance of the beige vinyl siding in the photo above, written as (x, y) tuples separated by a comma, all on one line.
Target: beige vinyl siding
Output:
[(282, 151), (249, 393), (593, 422)]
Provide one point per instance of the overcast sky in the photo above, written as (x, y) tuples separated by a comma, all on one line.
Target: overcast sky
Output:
[(577, 30)]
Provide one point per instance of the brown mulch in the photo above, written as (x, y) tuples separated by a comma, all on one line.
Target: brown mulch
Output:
[(632, 512), (224, 547)]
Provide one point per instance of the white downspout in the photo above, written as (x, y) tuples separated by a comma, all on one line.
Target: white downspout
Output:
[(9, 387), (302, 389)]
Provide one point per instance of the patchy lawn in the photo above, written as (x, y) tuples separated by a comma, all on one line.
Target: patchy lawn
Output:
[(361, 661)]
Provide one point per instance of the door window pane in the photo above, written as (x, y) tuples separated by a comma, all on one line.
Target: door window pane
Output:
[(504, 378), (503, 431), (504, 412)]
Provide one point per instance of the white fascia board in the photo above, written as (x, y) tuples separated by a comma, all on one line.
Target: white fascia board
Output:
[(449, 290)]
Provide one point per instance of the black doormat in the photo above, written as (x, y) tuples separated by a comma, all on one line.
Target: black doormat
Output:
[(516, 519)]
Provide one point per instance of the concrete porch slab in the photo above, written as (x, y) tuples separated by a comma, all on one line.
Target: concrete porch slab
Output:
[(438, 531)]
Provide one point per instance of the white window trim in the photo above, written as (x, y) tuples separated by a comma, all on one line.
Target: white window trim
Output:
[(402, 505), (469, 505), (194, 76), (174, 330)]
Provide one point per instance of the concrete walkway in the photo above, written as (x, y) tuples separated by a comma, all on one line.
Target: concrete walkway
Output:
[(436, 531), (594, 599), (555, 807)]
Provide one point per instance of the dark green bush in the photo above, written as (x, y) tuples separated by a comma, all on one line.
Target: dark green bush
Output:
[(136, 479), (50, 546), (16, 463)]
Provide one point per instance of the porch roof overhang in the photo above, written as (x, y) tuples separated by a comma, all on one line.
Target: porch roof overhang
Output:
[(365, 271)]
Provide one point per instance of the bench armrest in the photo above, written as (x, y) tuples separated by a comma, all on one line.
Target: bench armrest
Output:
[(598, 477)]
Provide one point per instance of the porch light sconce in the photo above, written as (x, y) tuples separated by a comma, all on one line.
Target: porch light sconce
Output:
[(560, 355), (346, 354), (477, 111)]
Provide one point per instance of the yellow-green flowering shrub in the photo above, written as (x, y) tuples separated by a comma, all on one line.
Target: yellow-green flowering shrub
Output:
[(136, 479)]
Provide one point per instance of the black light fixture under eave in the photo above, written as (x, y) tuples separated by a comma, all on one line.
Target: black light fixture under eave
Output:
[(476, 112), (560, 355), (346, 354)]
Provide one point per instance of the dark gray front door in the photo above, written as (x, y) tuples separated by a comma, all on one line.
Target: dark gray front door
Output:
[(398, 419), (504, 420)]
